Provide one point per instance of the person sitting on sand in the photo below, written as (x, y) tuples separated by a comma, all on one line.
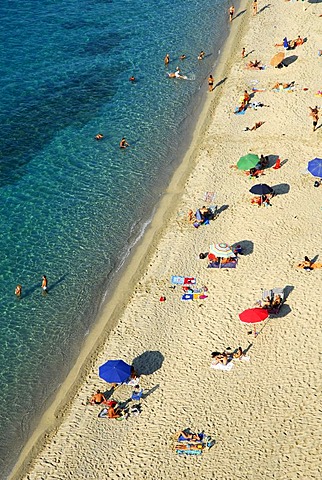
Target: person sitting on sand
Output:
[(246, 97), (266, 303), (239, 353), (97, 398), (114, 412), (299, 41), (263, 162), (277, 300), (191, 216)]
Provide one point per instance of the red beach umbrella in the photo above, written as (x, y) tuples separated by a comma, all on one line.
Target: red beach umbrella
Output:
[(253, 315)]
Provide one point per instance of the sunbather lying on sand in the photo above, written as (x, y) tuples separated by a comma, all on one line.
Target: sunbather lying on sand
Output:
[(219, 358), (188, 435), (256, 65), (255, 127), (281, 86)]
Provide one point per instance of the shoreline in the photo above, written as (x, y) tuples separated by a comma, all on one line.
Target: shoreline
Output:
[(143, 251)]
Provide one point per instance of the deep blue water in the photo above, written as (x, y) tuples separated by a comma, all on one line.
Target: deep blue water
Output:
[(71, 207)]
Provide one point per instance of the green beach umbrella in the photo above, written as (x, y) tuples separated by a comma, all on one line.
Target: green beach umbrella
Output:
[(248, 161)]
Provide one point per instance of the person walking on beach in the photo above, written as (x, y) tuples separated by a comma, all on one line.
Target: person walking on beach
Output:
[(44, 284), (243, 52), (231, 13), (314, 113), (18, 291), (210, 83), (166, 60), (255, 4)]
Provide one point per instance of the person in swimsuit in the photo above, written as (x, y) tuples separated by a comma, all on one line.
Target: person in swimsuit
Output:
[(97, 398), (201, 55), (182, 57), (44, 284), (231, 13), (18, 290), (99, 136), (123, 143), (132, 79), (254, 7), (210, 83), (243, 52), (166, 60)]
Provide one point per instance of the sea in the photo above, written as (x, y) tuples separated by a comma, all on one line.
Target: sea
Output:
[(71, 207)]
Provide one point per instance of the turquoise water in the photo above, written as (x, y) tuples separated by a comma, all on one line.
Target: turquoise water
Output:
[(72, 207)]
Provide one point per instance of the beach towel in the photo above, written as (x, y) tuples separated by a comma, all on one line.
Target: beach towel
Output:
[(209, 197), (222, 266), (193, 296), (288, 89), (220, 366), (244, 358), (242, 112), (180, 280)]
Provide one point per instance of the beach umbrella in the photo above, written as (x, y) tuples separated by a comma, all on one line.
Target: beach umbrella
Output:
[(114, 371), (315, 167), (253, 315), (221, 250), (277, 59), (248, 161), (261, 189)]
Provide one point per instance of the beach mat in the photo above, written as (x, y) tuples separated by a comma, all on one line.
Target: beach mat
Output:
[(180, 280), (242, 112), (222, 266), (193, 296), (220, 366)]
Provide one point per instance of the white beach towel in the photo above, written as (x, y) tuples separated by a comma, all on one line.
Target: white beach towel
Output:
[(244, 358), (220, 366)]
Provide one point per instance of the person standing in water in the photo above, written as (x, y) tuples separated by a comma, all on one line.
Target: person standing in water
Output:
[(44, 284), (123, 143), (18, 291), (231, 13), (166, 60), (210, 83)]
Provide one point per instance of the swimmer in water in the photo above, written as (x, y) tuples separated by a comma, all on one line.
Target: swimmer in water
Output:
[(18, 291), (182, 57), (44, 284), (201, 55), (132, 79), (99, 136), (166, 60), (177, 74), (123, 143)]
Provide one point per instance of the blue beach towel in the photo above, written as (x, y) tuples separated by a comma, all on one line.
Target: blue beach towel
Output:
[(240, 113)]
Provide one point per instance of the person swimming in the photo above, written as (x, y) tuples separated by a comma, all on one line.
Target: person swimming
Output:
[(99, 136)]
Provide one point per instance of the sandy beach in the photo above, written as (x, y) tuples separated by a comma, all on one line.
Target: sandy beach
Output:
[(264, 414)]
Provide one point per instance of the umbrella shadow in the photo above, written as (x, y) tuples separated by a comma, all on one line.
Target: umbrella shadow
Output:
[(288, 290), (289, 60), (271, 160), (281, 189), (246, 245), (250, 345), (284, 311), (148, 362), (283, 162)]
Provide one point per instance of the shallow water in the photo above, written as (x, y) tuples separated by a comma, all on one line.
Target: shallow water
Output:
[(72, 207)]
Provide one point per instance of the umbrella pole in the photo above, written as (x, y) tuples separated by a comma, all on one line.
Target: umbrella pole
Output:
[(255, 333)]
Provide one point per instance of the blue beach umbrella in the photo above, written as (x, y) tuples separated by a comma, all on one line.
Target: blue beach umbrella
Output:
[(315, 167), (261, 189), (115, 371)]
